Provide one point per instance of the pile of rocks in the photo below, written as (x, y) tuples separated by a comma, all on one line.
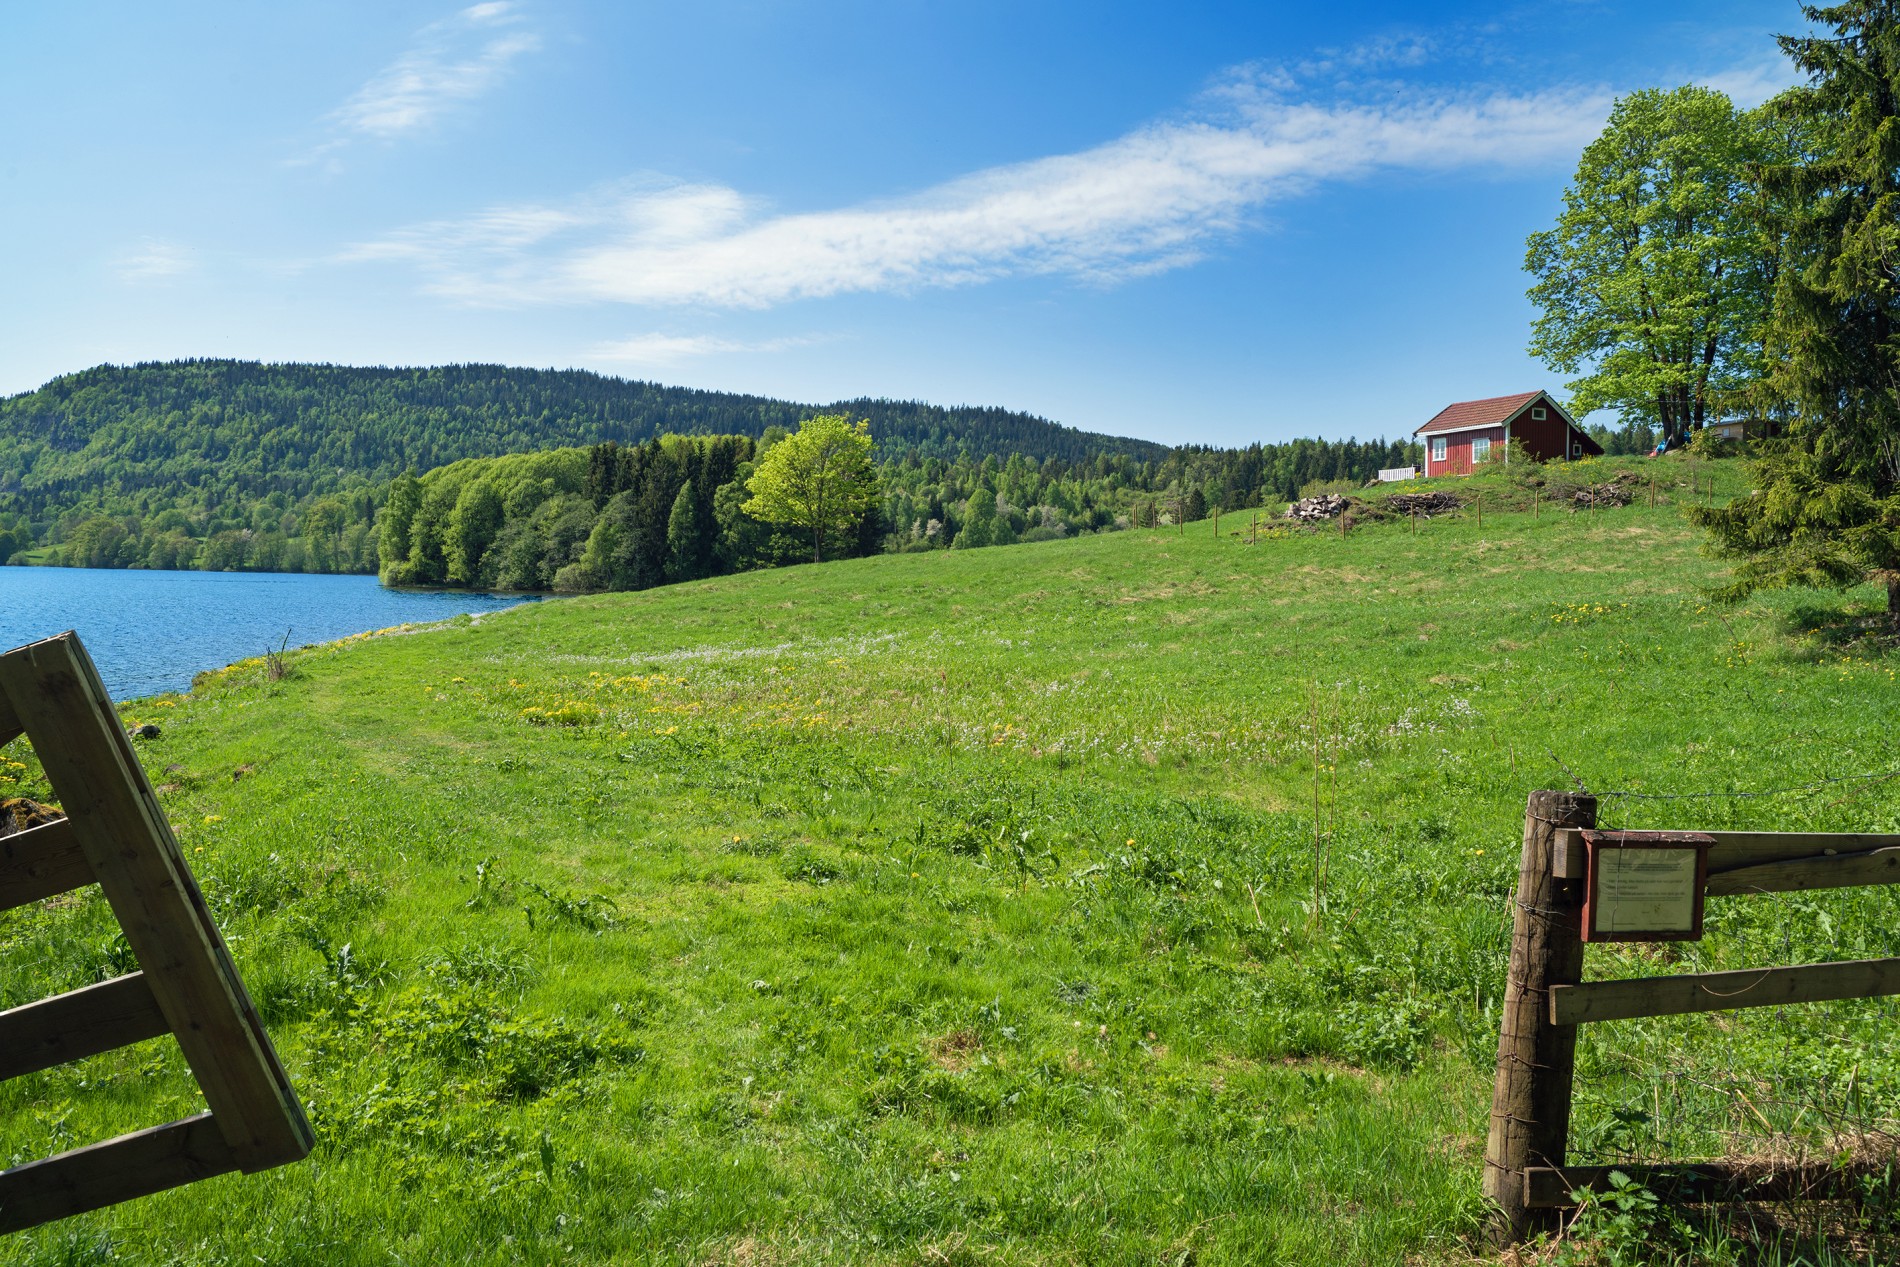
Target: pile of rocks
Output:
[(1316, 509)]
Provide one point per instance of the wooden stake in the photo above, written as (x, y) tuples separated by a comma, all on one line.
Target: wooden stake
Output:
[(1217, 523), (1530, 1107), (1319, 874)]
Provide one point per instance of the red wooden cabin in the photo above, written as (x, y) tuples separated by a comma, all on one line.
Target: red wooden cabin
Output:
[(1462, 435)]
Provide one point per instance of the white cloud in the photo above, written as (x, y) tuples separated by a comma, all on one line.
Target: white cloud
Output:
[(1152, 200), (451, 61), (1748, 86), (155, 261), (662, 351)]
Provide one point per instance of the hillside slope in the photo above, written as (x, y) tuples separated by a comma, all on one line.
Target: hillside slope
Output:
[(149, 432), (1133, 898)]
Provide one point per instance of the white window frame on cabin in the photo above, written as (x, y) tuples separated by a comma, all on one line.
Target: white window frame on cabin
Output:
[(1480, 449), (1539, 413), (1438, 448)]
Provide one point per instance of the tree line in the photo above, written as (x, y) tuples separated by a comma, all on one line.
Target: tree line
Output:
[(677, 508)]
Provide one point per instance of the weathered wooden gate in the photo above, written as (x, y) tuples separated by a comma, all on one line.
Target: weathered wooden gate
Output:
[(115, 835), (1526, 1172)]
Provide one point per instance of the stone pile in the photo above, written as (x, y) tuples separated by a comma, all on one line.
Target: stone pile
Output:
[(1315, 509)]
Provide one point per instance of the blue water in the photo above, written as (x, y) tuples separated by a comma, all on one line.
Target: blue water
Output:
[(152, 631)]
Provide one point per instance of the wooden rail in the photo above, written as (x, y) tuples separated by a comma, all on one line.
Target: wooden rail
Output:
[(115, 834), (1748, 862), (1718, 991), (1550, 1188), (41, 862), (98, 1175), (1792, 875), (10, 728), (78, 1024)]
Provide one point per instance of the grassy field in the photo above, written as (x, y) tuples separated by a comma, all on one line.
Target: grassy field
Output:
[(1140, 898)]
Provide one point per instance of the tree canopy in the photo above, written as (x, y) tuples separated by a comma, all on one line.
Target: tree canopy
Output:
[(820, 479), (1655, 281)]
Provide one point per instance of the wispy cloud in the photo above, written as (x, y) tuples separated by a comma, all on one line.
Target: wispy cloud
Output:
[(155, 261), (1750, 85), (449, 62), (1149, 201), (663, 351)]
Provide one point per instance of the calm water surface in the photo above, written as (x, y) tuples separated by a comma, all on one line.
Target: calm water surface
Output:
[(151, 631)]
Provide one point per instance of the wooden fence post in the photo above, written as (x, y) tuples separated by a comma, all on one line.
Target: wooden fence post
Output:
[(1530, 1108)]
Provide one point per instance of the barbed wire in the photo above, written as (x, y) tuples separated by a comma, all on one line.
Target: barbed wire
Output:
[(1740, 796)]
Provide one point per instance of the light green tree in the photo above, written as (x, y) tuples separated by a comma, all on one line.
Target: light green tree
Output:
[(820, 479), (323, 525), (1655, 281), (473, 523)]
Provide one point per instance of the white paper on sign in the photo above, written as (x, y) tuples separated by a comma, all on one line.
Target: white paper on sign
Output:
[(1645, 890)]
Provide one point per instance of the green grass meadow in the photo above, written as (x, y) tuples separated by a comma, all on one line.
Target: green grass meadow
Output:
[(1140, 898)]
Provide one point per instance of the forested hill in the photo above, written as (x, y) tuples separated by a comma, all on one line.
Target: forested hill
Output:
[(226, 465), (133, 438)]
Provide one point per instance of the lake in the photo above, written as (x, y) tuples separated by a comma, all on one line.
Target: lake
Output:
[(153, 631)]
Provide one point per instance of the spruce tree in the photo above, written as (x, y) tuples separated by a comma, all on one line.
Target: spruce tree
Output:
[(682, 537), (1826, 509)]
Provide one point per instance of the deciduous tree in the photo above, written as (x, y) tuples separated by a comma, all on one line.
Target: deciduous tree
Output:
[(820, 479), (1655, 281)]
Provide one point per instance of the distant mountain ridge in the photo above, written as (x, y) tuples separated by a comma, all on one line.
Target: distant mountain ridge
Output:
[(140, 435)]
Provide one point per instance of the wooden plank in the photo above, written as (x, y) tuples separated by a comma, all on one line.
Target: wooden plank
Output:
[(1736, 849), (99, 1175), (78, 1024), (1548, 1188), (39, 862), (56, 692), (1839, 871), (1718, 991), (10, 728), (1530, 1101)]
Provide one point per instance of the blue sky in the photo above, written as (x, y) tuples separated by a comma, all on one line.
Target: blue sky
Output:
[(1192, 222)]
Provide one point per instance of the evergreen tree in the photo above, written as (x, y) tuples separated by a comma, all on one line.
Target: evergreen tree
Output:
[(682, 536), (1826, 509)]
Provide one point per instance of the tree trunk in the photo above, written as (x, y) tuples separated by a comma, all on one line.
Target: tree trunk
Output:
[(1893, 601)]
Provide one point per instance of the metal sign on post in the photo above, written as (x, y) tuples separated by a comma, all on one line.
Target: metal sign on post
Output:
[(114, 834), (1645, 885)]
